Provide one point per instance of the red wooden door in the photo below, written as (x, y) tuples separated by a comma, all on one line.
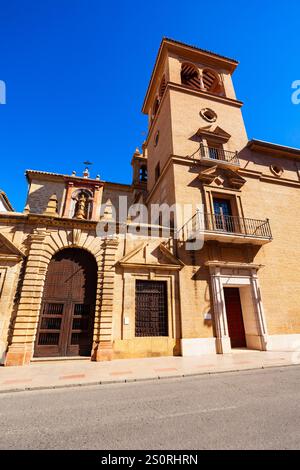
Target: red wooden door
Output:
[(68, 307), (235, 317)]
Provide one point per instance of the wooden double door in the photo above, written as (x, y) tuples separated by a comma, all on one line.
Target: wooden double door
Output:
[(68, 308)]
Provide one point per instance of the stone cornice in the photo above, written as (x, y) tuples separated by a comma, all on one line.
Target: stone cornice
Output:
[(46, 220), (43, 175), (276, 150), (230, 264), (206, 95), (164, 267), (186, 89), (177, 159), (241, 171), (268, 178), (10, 257), (11, 216)]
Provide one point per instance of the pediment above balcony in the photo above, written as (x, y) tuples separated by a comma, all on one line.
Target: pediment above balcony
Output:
[(214, 132), (222, 177)]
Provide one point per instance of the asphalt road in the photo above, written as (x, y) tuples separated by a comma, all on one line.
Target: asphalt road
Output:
[(246, 410)]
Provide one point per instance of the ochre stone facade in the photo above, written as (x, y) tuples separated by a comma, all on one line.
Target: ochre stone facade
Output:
[(196, 153)]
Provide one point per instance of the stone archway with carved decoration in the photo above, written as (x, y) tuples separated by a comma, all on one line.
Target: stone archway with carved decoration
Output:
[(44, 243)]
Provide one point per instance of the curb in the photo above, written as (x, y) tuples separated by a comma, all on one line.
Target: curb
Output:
[(142, 379)]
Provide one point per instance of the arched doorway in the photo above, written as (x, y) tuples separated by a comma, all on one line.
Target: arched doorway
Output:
[(68, 308)]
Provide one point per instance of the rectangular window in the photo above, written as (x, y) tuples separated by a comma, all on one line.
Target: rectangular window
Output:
[(151, 310)]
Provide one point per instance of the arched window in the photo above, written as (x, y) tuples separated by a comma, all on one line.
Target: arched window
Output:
[(158, 98), (155, 106), (211, 81), (143, 174), (162, 87), (190, 76)]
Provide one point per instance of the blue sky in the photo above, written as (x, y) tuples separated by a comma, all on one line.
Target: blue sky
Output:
[(76, 73)]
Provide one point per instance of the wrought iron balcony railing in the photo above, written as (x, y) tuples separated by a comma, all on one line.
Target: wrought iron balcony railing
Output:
[(225, 224), (218, 154)]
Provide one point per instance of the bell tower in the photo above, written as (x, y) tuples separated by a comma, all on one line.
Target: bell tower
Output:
[(192, 112)]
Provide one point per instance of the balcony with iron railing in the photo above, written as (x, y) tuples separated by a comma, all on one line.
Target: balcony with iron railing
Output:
[(219, 155), (226, 228)]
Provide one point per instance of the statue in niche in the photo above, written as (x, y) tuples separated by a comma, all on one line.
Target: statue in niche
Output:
[(81, 208)]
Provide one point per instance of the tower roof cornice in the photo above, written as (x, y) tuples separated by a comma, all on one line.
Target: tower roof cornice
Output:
[(190, 52), (48, 176), (276, 150)]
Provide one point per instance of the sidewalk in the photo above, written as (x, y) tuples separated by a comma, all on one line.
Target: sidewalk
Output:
[(66, 373)]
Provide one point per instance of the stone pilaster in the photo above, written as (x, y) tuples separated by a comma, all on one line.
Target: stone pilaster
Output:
[(259, 310), (70, 188), (97, 202), (20, 350), (103, 334), (222, 336)]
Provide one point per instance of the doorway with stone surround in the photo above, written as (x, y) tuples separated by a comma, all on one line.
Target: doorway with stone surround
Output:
[(235, 319), (239, 318)]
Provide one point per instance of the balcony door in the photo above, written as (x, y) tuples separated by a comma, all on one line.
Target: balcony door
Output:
[(215, 151), (223, 215)]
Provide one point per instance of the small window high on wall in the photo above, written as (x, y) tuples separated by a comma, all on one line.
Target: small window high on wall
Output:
[(157, 171), (155, 106), (162, 87), (143, 174)]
